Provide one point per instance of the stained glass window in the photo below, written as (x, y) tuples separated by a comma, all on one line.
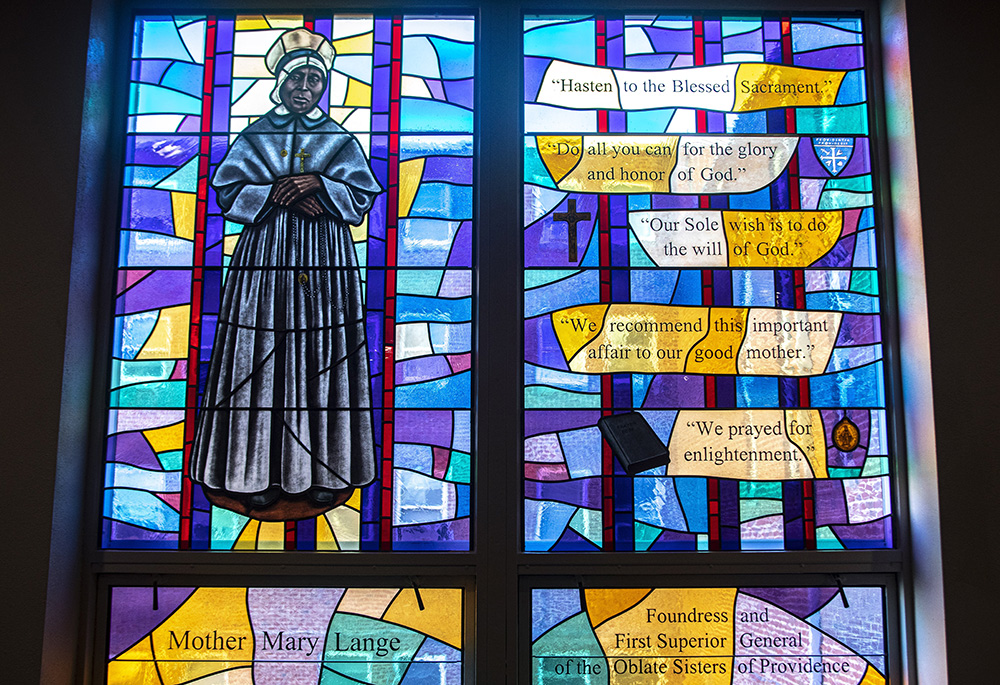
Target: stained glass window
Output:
[(709, 635), (701, 248), (306, 636), (389, 308)]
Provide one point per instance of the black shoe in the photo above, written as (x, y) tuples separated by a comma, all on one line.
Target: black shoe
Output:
[(259, 500), (322, 496)]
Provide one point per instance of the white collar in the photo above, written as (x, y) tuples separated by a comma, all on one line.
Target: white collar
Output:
[(316, 112)]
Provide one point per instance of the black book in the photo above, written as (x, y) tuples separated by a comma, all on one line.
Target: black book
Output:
[(633, 442)]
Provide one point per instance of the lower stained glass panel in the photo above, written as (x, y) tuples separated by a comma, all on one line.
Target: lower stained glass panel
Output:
[(286, 636), (709, 636)]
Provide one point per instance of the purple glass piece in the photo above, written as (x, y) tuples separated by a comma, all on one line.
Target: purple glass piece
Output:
[(132, 448), (672, 540), (841, 256), (435, 87), (752, 41), (224, 35), (713, 30), (534, 70), (451, 169), (541, 345), (539, 421), (841, 57), (460, 91), (132, 616), (584, 492), (831, 504), (859, 329), (571, 541), (150, 210), (713, 53), (380, 96), (675, 391), (670, 40), (162, 288), (855, 458), (424, 427), (124, 535), (772, 30), (798, 601), (461, 247), (422, 369), (616, 51), (545, 240), (872, 535), (450, 535), (772, 51), (220, 110), (674, 201), (649, 61), (860, 162), (383, 29), (150, 70), (222, 75)]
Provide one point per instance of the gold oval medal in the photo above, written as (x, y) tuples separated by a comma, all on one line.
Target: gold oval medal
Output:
[(846, 435)]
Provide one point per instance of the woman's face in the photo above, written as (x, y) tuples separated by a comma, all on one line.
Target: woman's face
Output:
[(300, 92)]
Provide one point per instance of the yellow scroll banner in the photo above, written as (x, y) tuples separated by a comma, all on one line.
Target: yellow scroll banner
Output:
[(690, 164), (743, 87), (706, 238), (652, 338)]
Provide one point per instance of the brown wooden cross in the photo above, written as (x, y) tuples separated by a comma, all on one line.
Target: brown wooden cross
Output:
[(302, 154), (571, 217)]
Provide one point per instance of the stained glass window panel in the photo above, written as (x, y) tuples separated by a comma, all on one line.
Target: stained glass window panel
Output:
[(399, 94), (722, 636), (291, 636), (700, 250)]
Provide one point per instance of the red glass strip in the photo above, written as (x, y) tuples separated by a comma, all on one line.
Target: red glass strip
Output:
[(197, 267)]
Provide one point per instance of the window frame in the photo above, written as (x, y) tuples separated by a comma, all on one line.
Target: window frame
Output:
[(496, 568)]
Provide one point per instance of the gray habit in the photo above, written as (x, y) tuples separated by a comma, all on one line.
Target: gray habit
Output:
[(287, 398)]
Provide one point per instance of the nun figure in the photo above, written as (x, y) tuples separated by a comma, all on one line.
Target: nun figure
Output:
[(285, 428)]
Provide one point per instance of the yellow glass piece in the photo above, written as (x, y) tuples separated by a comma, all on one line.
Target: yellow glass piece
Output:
[(251, 22), (271, 535), (371, 602), (284, 21), (780, 239), (358, 94), (655, 629), (788, 342), (359, 234), (229, 244), (240, 676), (340, 114), (169, 339), (248, 538), (576, 326), (355, 45), (325, 539), (355, 501), (410, 173), (603, 604), (610, 163), (872, 677), (184, 210), (135, 666), (804, 427), (763, 86), (717, 351), (207, 634), (560, 154), (250, 66), (167, 438), (441, 617)]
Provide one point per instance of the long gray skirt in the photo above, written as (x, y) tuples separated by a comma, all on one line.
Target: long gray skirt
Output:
[(287, 400)]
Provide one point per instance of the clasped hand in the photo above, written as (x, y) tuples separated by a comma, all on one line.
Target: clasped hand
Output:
[(299, 194)]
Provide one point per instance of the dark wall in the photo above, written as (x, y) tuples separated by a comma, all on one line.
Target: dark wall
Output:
[(954, 86)]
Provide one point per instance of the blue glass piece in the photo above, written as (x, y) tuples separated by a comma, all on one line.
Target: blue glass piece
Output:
[(443, 201), (425, 242), (656, 503), (155, 394), (851, 357), (414, 308), (756, 391), (561, 294), (570, 41), (423, 282), (434, 116), (140, 508), (544, 397), (131, 333), (640, 386), (145, 176), (649, 121), (582, 450), (146, 98), (550, 607), (159, 39), (693, 495), (418, 458), (184, 179), (846, 120), (452, 391), (462, 437), (688, 290), (411, 147), (544, 522), (852, 88), (185, 77), (449, 338), (809, 36), (128, 476), (356, 66), (566, 380), (457, 58), (139, 248), (420, 58), (421, 499), (860, 387), (842, 302)]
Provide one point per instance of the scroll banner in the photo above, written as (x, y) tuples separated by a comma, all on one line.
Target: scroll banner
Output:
[(651, 338), (618, 163), (740, 239), (749, 444), (743, 87)]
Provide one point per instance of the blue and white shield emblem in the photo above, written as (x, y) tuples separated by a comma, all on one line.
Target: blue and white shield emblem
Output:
[(833, 153)]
